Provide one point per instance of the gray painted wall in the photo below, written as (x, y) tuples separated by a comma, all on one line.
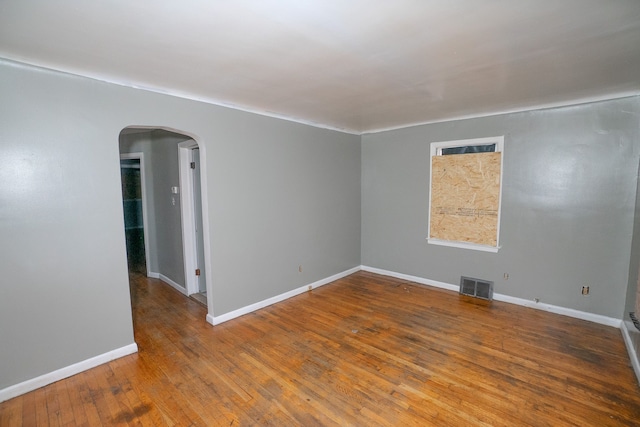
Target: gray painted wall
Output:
[(168, 216), (279, 194), (634, 264), (160, 150), (282, 194), (567, 209), (632, 287)]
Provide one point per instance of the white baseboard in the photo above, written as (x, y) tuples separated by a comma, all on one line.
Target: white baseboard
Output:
[(168, 281), (596, 318), (625, 327), (584, 315), (51, 377), (416, 279), (216, 320)]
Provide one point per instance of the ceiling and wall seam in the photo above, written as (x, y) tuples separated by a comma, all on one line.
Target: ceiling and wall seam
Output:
[(194, 98)]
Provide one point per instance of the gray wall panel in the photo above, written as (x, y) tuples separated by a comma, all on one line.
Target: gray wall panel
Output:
[(279, 194), (568, 204), (632, 288), (168, 228)]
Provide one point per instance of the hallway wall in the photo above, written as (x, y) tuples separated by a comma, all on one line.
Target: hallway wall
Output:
[(278, 194)]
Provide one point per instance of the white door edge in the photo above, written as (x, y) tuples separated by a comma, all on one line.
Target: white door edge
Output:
[(185, 157)]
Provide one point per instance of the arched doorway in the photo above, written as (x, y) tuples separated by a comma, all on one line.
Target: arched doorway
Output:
[(173, 209)]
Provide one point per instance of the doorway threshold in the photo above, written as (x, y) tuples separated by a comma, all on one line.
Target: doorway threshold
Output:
[(200, 297)]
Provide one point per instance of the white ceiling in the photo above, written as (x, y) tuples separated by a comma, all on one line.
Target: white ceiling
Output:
[(354, 65)]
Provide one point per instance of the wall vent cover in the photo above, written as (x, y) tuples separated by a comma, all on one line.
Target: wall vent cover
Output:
[(476, 287)]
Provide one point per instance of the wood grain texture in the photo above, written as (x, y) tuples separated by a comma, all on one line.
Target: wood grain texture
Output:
[(465, 197), (366, 350)]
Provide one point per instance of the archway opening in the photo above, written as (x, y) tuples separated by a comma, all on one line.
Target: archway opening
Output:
[(162, 180)]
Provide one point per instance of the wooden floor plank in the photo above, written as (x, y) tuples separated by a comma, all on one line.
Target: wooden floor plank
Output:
[(365, 350), (28, 410), (70, 414), (12, 413), (42, 412), (75, 415)]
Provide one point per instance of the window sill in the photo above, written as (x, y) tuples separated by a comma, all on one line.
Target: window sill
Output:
[(463, 245)]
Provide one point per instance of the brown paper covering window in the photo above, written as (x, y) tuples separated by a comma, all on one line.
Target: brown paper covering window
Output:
[(465, 198)]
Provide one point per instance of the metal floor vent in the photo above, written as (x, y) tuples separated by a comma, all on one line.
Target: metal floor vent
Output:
[(476, 287)]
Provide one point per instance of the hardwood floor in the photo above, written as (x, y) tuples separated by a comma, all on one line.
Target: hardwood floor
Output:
[(367, 350)]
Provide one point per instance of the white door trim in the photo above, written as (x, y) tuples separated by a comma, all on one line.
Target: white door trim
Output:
[(204, 155), (145, 225), (185, 157), (204, 194)]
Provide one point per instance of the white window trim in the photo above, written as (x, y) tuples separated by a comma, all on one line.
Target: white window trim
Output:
[(436, 150)]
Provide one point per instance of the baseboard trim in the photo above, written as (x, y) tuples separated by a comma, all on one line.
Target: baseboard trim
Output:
[(584, 315), (410, 278), (51, 377), (625, 327), (169, 282), (216, 320), (596, 318)]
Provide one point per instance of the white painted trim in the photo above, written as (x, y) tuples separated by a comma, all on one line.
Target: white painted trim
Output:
[(22, 62), (591, 317), (145, 210), (173, 284), (416, 279), (584, 315), (204, 199), (435, 149), (216, 320), (522, 109), (190, 258), (626, 335), (57, 375), (463, 245), (169, 282)]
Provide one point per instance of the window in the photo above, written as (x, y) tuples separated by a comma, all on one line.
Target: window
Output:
[(465, 193)]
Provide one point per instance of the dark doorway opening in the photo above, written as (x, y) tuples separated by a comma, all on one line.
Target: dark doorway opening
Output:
[(133, 220)]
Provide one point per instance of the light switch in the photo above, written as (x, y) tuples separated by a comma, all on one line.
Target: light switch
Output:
[(175, 190)]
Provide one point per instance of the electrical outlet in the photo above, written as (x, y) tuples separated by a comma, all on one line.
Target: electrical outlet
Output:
[(506, 276), (300, 268), (585, 290)]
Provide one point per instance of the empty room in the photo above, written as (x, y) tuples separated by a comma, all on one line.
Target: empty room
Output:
[(285, 212)]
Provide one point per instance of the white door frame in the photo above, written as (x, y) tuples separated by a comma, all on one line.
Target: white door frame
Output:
[(145, 225), (185, 157)]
